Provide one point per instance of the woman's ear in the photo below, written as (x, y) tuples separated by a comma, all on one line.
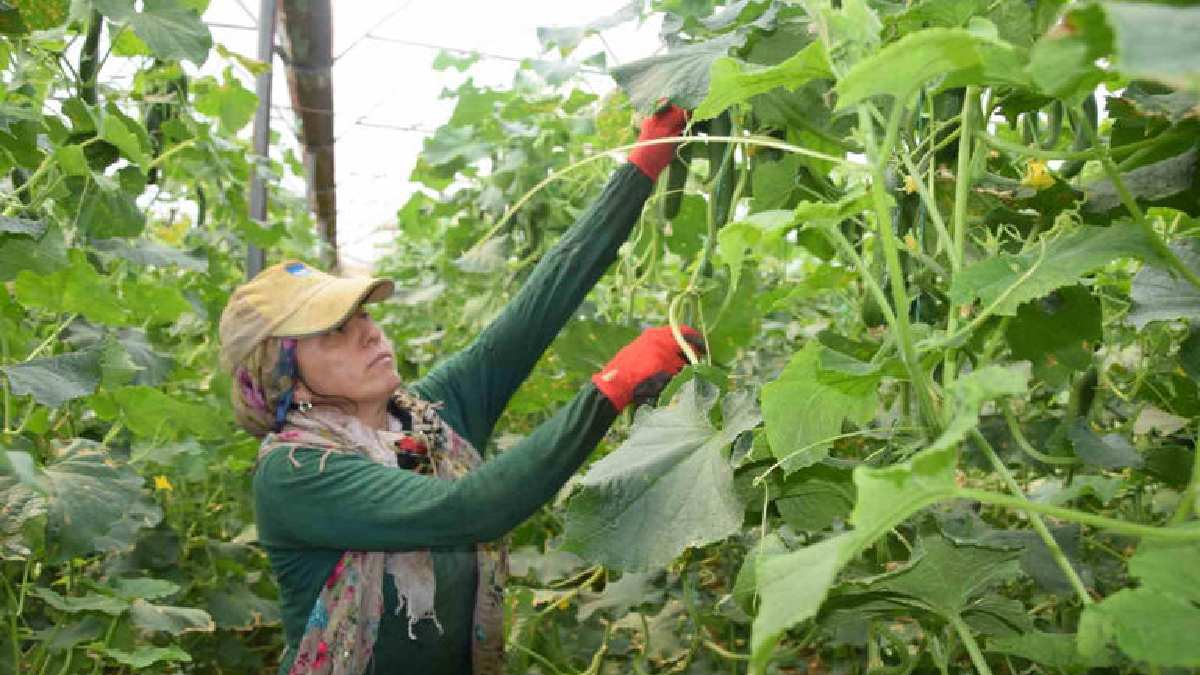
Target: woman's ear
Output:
[(301, 393)]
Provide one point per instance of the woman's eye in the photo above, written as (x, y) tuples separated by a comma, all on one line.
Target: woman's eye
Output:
[(361, 314)]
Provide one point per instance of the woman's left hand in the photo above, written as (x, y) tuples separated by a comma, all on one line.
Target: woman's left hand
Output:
[(669, 121), (642, 368)]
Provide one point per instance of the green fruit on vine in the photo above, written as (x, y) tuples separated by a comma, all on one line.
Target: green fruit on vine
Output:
[(871, 311), (1053, 125), (945, 106), (677, 173), (1090, 115), (721, 125)]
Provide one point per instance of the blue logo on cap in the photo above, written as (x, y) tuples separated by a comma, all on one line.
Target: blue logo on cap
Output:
[(298, 270)]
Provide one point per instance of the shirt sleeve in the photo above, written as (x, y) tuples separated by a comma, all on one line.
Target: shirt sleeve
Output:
[(353, 503), (478, 382)]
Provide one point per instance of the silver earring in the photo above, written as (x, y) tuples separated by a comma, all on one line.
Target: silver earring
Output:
[(304, 406)]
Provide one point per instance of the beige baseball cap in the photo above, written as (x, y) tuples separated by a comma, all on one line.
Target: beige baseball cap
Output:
[(291, 299)]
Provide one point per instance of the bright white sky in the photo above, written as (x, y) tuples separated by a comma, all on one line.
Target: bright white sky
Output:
[(387, 95)]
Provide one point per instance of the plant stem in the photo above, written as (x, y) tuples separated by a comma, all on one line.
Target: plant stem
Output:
[(170, 152), (52, 337), (964, 634), (935, 214), (1023, 443), (883, 216), (1035, 152), (1130, 203), (962, 191), (7, 400), (839, 240), (1156, 242), (1035, 520), (1100, 522), (537, 657), (758, 141)]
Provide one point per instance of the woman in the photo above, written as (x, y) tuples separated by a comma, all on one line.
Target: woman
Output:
[(379, 518)]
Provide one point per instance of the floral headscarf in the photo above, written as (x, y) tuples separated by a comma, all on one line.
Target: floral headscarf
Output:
[(262, 387)]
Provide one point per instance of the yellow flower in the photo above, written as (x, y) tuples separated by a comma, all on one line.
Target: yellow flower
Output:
[(161, 483), (1036, 175), (910, 185)]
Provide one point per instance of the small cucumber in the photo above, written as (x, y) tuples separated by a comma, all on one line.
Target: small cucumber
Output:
[(677, 173), (721, 125), (1091, 115)]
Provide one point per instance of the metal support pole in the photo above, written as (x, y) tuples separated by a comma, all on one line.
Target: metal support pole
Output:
[(262, 129)]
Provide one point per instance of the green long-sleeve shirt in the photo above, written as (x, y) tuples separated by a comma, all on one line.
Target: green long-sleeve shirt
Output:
[(308, 517)]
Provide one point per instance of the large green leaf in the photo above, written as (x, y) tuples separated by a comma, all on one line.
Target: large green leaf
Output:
[(618, 597), (55, 380), (92, 602), (813, 498), (65, 635), (235, 606), (1156, 42), (680, 75), (32, 228), (44, 255), (146, 656), (157, 303), (1058, 333), (1160, 295), (915, 59), (146, 252), (1156, 622), (1110, 451), (40, 14), (1151, 182), (793, 585), (1063, 62), (1003, 282), (106, 209), (1056, 650), (567, 38), (114, 130), (146, 588), (22, 510), (760, 233), (76, 289), (674, 462), (774, 184), (170, 28), (804, 408), (95, 502), (152, 414), (732, 81), (230, 103), (890, 494), (945, 577), (167, 619), (970, 392)]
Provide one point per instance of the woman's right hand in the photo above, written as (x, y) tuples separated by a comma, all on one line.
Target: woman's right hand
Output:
[(642, 368), (669, 121)]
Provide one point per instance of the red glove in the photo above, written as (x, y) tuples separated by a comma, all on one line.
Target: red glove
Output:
[(652, 159), (643, 367)]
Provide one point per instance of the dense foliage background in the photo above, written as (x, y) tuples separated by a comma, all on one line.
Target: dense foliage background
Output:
[(942, 253)]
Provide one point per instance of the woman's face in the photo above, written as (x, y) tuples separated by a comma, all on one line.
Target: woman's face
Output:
[(354, 361)]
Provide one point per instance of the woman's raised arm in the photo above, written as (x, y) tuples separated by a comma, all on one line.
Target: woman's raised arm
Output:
[(478, 382)]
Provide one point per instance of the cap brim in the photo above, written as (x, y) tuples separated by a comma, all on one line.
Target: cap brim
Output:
[(331, 304)]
